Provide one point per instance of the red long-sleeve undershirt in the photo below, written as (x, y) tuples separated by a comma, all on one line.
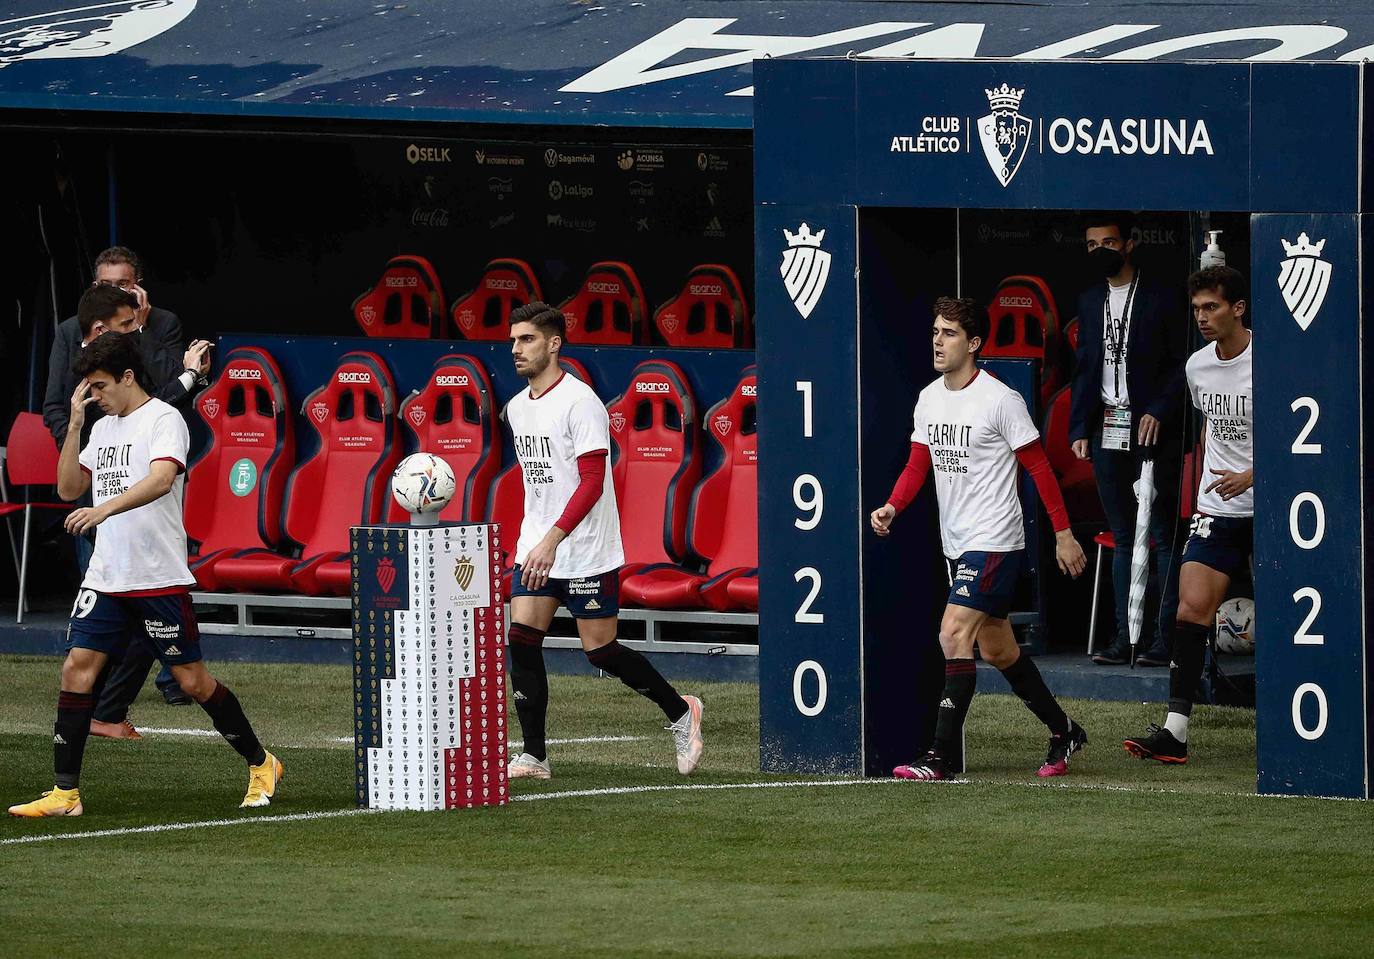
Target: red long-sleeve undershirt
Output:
[(1031, 456), (591, 470)]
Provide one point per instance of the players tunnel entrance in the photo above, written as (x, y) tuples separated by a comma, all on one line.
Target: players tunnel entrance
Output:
[(899, 181)]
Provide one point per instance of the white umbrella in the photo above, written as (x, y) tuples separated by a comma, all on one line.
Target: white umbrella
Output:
[(1140, 552)]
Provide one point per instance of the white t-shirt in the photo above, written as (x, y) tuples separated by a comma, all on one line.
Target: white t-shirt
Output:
[(1116, 300), (550, 433), (142, 548), (1221, 389), (973, 435)]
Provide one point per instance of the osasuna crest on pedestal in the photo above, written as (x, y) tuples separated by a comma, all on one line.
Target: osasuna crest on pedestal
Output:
[(1304, 278), (805, 268), (1005, 133)]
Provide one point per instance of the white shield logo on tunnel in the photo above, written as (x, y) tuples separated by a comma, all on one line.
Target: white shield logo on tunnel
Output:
[(805, 268), (1304, 278)]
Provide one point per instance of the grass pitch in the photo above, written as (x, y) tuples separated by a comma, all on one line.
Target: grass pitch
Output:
[(1120, 858)]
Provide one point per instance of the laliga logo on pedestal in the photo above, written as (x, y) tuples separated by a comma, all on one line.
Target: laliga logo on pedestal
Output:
[(1005, 133), (1304, 278), (805, 268)]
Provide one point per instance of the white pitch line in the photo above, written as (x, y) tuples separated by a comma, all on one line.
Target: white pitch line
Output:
[(705, 787), (518, 743), (514, 744), (178, 826), (158, 731), (679, 787), (337, 813)]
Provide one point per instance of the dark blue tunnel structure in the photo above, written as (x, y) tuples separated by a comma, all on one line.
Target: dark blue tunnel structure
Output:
[(837, 140)]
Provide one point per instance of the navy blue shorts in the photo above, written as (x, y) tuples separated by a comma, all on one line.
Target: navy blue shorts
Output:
[(109, 622), (986, 581), (1224, 543), (592, 597)]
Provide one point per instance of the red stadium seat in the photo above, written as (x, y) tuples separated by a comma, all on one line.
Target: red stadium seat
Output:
[(484, 314), (722, 523), (453, 418), (234, 490), (655, 445), (708, 312), (506, 508), (1071, 335), (29, 459), (576, 368), (406, 303), (1025, 325), (1075, 475), (608, 308), (506, 498), (344, 483)]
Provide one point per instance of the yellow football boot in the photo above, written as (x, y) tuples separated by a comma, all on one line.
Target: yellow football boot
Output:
[(55, 802), (262, 783)]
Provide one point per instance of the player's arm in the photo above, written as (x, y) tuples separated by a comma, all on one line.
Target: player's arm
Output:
[(157, 484), (72, 477), (909, 483), (1067, 552)]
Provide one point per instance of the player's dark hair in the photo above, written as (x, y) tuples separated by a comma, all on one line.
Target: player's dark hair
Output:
[(1122, 220), (547, 319), (99, 304), (968, 313), (112, 353), (1226, 280), (119, 255)]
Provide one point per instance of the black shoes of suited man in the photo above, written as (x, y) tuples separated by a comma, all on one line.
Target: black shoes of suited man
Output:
[(1119, 654)]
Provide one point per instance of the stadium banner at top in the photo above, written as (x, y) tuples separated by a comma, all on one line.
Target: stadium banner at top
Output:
[(680, 64)]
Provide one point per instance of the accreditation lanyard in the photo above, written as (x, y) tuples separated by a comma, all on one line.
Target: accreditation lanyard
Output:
[(1116, 331)]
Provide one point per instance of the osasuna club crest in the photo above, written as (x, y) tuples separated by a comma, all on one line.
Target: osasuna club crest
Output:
[(805, 268), (1005, 133), (463, 571), (386, 574), (1304, 278)]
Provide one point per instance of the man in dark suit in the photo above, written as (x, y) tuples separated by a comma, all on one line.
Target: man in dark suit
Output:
[(173, 368), (1128, 404)]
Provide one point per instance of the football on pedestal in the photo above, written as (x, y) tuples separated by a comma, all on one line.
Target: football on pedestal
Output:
[(422, 485)]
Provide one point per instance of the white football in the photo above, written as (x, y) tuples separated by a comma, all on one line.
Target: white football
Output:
[(1236, 626), (422, 483)]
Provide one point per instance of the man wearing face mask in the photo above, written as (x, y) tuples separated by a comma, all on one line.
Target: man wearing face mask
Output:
[(1128, 392)]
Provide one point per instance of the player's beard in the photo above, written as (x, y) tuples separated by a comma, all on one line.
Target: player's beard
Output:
[(534, 367)]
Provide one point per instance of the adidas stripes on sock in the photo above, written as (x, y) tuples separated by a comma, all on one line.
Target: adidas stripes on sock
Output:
[(225, 712), (961, 678), (69, 734), (631, 668), (530, 680), (1026, 682)]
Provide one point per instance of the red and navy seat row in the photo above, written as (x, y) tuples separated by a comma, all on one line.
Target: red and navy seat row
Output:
[(259, 521), (608, 307)]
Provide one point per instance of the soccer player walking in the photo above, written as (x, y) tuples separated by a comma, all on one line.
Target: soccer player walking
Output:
[(973, 430), (137, 586), (1222, 536), (569, 550)]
